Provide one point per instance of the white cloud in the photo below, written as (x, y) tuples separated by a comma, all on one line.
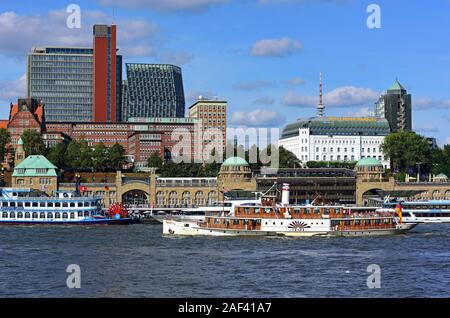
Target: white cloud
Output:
[(294, 81), (179, 58), (429, 103), (361, 112), (276, 47), (165, 5), (257, 118), (19, 33), (427, 128), (252, 86), (346, 96), (264, 101), (10, 91)]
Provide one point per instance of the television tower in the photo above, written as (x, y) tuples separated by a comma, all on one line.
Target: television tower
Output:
[(320, 106)]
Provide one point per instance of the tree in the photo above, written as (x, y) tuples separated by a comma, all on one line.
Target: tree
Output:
[(72, 155), (155, 161), (100, 157), (85, 161), (116, 156), (287, 158), (5, 138), (406, 149), (56, 155), (33, 143)]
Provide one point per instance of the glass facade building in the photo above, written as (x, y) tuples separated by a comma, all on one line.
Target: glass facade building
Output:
[(62, 79), (154, 90)]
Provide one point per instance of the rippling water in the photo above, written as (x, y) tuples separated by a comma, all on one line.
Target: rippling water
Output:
[(137, 261)]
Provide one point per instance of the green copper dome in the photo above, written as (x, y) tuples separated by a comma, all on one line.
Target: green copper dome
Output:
[(235, 161), (368, 161)]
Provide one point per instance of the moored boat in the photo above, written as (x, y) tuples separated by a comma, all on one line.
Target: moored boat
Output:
[(28, 207)]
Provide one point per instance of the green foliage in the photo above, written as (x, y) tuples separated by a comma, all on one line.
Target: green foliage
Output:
[(5, 139), (155, 161), (33, 143), (116, 156), (56, 154), (406, 149), (100, 159)]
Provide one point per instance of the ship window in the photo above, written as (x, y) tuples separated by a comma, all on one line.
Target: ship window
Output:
[(64, 215), (93, 203), (57, 204), (327, 211), (57, 215), (50, 204), (316, 210), (80, 204), (5, 215), (35, 215), (236, 222), (42, 204), (247, 210), (20, 204), (257, 210), (12, 215), (34, 204), (27, 215), (72, 215), (86, 203), (27, 204), (4, 203), (72, 204), (267, 210), (86, 213), (12, 204), (65, 205), (42, 215), (50, 215), (19, 215), (80, 213)]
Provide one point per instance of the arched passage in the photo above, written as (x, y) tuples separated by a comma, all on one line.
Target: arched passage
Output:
[(135, 198)]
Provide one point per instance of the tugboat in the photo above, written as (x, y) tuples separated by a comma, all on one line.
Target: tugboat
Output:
[(28, 207), (269, 219)]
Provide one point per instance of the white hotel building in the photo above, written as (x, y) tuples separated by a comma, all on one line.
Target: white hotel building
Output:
[(336, 138)]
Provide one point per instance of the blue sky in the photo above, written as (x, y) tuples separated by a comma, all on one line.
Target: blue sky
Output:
[(262, 56)]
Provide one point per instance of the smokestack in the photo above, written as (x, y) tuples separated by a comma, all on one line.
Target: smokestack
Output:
[(285, 194)]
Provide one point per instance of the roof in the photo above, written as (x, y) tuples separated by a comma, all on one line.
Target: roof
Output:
[(31, 164), (344, 126), (396, 86), (235, 161), (20, 142), (441, 176), (368, 161), (4, 124)]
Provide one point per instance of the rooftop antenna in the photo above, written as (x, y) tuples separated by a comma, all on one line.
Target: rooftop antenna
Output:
[(320, 106)]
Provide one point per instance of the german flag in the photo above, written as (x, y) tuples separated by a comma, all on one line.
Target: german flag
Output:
[(399, 211)]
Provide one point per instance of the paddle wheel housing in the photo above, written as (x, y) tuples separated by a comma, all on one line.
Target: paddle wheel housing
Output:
[(117, 209)]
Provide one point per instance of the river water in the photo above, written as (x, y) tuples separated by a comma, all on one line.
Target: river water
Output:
[(137, 261)]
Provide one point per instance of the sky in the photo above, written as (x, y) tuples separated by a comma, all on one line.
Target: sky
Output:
[(262, 56)]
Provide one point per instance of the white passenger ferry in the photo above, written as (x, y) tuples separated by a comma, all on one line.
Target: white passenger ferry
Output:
[(268, 219), (25, 206), (432, 211)]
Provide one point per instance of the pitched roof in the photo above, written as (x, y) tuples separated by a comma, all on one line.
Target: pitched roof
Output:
[(396, 86), (31, 164), (368, 161)]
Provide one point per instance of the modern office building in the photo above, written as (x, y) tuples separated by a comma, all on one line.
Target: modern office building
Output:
[(395, 106), (124, 97), (154, 90), (211, 131), (336, 138), (61, 78), (78, 84)]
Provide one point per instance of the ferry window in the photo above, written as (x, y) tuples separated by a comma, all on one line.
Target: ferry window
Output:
[(57, 215), (246, 210), (316, 210), (42, 204), (236, 222), (35, 215), (50, 204), (4, 203), (20, 204), (257, 210), (72, 215), (72, 204), (86, 213), (267, 210), (216, 221), (20, 215), (327, 210), (65, 205), (305, 211), (34, 204), (80, 213), (5, 215), (50, 215), (42, 215), (27, 215), (12, 204), (86, 203), (57, 204), (64, 215), (296, 210), (80, 204), (12, 215), (93, 203)]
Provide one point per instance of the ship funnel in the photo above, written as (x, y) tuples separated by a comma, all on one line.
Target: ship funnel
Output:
[(285, 194)]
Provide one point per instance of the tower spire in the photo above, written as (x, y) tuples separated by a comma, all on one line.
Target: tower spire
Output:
[(320, 106)]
